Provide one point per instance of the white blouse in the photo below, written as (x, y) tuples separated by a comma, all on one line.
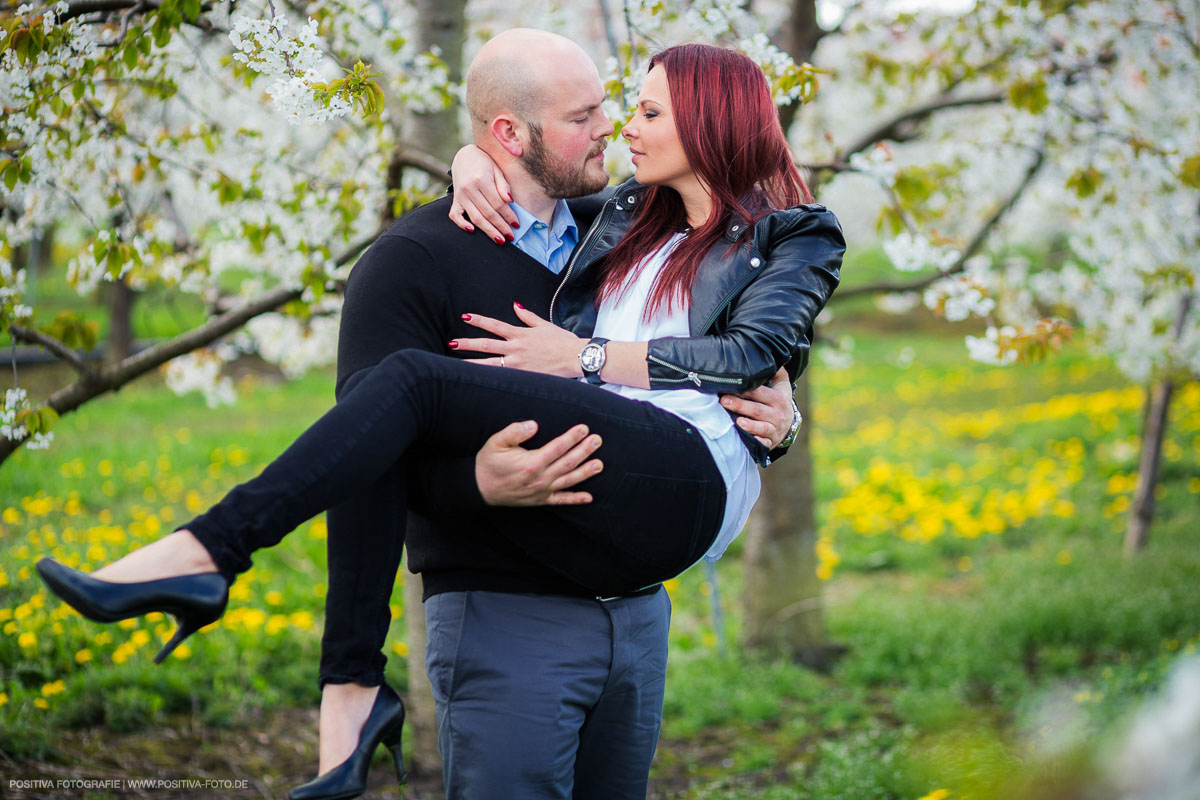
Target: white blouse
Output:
[(621, 320)]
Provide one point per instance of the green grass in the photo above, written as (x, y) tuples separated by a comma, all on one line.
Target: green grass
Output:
[(957, 644)]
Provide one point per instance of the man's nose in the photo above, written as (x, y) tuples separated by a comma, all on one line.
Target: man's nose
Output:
[(607, 128)]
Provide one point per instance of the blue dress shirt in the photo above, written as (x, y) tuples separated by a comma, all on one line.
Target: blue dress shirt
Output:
[(550, 244)]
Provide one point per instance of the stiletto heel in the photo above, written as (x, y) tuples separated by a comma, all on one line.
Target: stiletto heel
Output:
[(384, 725), (194, 600), (183, 628), (397, 755)]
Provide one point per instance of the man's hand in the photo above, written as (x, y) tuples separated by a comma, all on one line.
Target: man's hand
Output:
[(510, 475), (766, 411)]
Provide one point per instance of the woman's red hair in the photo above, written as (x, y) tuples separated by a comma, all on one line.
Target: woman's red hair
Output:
[(733, 141)]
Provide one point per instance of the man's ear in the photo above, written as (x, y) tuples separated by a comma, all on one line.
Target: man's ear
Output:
[(508, 132)]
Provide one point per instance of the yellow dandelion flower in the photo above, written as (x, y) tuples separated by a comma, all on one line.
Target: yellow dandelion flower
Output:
[(274, 598), (302, 620), (83, 656), (182, 651), (105, 468), (140, 638), (1063, 557), (400, 649), (276, 623), (27, 640), (318, 529), (41, 703), (671, 585), (396, 609), (937, 794), (3, 698), (11, 516), (53, 688)]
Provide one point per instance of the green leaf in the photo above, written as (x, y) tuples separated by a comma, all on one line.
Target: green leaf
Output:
[(99, 251), (1085, 182), (77, 88), (1189, 171), (191, 9), (11, 173), (130, 55), (1030, 95)]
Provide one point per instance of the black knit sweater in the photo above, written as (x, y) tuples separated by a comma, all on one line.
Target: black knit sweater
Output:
[(410, 290)]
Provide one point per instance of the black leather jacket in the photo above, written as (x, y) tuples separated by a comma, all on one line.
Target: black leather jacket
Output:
[(753, 303)]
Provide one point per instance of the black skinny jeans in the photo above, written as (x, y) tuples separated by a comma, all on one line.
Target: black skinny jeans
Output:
[(658, 503)]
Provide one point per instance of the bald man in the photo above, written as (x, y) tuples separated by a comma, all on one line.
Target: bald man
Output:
[(542, 689)]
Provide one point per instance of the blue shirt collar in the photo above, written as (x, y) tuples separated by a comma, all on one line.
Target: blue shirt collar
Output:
[(561, 222)]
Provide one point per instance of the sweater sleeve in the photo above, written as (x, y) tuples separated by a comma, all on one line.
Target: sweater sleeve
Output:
[(396, 299)]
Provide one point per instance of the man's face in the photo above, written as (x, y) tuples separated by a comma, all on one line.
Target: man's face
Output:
[(565, 153)]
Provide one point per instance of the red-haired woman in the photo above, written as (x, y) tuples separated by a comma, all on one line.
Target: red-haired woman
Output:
[(702, 276)]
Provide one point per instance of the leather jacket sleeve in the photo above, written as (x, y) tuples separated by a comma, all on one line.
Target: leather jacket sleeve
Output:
[(768, 325)]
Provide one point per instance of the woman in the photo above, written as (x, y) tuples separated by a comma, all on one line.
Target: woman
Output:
[(689, 284)]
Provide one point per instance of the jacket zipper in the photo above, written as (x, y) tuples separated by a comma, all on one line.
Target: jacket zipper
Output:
[(606, 218), (691, 375)]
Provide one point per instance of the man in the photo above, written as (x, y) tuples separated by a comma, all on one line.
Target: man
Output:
[(543, 690)]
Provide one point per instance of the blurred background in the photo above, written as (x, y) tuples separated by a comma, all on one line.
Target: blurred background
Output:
[(974, 576)]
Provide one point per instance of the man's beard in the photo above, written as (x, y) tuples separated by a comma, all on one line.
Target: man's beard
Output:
[(557, 178)]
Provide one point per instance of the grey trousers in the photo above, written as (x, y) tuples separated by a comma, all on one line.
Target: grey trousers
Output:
[(547, 697)]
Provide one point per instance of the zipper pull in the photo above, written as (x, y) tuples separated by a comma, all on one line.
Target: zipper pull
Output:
[(694, 378)]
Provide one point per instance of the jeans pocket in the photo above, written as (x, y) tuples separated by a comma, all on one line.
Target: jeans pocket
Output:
[(444, 615)]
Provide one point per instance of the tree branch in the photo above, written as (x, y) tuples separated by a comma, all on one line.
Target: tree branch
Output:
[(405, 156), (894, 127), (79, 8), (972, 248), (33, 336), (98, 382)]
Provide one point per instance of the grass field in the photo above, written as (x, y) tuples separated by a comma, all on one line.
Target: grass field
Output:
[(970, 520)]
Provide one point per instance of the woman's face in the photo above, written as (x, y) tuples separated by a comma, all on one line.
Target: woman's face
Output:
[(658, 157)]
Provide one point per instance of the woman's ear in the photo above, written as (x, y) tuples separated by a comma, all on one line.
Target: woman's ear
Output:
[(507, 130)]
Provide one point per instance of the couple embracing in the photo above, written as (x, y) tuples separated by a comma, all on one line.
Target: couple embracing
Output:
[(557, 407)]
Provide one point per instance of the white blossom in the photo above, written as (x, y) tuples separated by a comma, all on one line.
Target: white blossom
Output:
[(200, 371)]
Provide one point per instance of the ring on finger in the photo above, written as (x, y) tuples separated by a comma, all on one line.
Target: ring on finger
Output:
[(502, 361)]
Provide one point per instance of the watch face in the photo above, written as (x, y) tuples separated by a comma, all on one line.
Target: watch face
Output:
[(592, 358)]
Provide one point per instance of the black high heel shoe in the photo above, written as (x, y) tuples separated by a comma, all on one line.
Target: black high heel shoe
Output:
[(194, 600), (349, 779)]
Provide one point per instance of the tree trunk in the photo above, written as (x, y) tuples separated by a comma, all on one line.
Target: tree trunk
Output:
[(440, 23), (421, 717), (798, 37), (121, 298), (783, 612), (1154, 430), (783, 595)]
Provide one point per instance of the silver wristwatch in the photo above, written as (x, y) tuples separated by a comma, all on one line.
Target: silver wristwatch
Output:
[(591, 360), (797, 419)]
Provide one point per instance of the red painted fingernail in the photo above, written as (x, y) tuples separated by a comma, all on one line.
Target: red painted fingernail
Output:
[(499, 240), (470, 229), (509, 237), (466, 317), (453, 345), (510, 197), (518, 305), (516, 224)]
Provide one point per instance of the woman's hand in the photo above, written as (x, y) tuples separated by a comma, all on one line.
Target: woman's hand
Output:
[(542, 347), (482, 193)]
